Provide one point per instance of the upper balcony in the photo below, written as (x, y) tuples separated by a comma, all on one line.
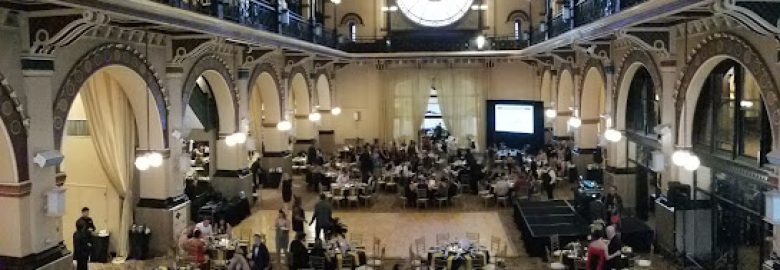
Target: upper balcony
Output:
[(265, 22)]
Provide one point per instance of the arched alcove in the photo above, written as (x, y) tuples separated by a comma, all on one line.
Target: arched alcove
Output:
[(300, 107), (265, 110), (591, 107), (564, 102), (546, 89)]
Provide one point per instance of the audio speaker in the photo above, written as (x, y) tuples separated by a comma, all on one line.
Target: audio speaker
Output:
[(679, 194), (48, 158)]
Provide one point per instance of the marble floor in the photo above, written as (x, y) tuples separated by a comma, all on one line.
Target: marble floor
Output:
[(396, 226)]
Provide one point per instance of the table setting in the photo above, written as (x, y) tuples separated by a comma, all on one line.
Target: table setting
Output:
[(460, 254)]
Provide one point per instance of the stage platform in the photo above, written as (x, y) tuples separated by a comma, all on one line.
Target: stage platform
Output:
[(538, 221)]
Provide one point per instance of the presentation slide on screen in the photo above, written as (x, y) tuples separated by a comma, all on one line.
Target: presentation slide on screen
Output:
[(514, 118)]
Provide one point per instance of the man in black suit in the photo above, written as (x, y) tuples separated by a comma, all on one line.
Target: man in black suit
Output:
[(261, 259), (323, 215)]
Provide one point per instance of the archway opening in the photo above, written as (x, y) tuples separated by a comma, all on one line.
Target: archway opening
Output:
[(112, 115), (8, 170), (209, 112), (727, 122), (591, 109), (564, 103), (265, 113), (300, 106)]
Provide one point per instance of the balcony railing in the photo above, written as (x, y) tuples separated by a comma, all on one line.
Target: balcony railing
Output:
[(261, 14), (582, 13), (382, 44)]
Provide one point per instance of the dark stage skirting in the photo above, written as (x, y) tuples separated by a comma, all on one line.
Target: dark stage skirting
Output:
[(538, 221), (636, 234)]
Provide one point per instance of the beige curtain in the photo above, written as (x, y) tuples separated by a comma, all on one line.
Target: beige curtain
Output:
[(112, 128), (256, 119), (461, 94), (406, 97)]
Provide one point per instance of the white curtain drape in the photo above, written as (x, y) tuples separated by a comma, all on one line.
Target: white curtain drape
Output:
[(461, 98), (406, 97), (112, 128)]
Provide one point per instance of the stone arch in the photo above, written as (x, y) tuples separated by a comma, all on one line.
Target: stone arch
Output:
[(546, 88), (632, 62), (351, 17), (101, 57), (518, 15), (298, 85), (266, 72), (324, 97), (223, 87), (564, 96), (13, 136), (592, 93), (705, 57)]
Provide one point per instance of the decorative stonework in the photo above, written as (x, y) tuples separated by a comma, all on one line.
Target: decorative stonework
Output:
[(760, 16), (184, 49), (16, 123), (731, 46), (15, 190), (103, 56), (591, 63), (50, 33), (213, 63), (273, 71), (636, 55), (300, 70)]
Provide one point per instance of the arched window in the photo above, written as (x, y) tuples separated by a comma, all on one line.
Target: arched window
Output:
[(518, 29), (730, 119), (433, 112), (643, 112), (352, 26)]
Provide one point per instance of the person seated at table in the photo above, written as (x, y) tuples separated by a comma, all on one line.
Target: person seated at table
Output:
[(318, 250), (442, 191), (196, 249), (613, 248), (597, 252), (501, 188), (205, 227), (222, 227), (299, 255), (238, 262), (261, 258), (343, 176)]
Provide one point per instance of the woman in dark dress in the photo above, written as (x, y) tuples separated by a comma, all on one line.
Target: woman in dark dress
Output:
[(286, 188), (299, 216)]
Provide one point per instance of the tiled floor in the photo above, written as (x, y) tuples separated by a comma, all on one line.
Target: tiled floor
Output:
[(397, 227)]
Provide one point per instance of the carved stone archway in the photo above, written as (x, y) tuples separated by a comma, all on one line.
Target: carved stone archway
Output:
[(100, 57), (211, 62), (274, 73), (727, 45), (634, 56), (12, 115), (591, 63)]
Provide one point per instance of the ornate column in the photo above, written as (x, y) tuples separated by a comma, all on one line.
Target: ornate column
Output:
[(161, 198), (31, 239)]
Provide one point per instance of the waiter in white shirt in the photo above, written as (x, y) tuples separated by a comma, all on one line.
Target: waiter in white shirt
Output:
[(205, 227)]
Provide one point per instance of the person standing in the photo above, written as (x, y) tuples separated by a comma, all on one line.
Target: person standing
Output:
[(366, 164), (286, 188), (548, 179), (614, 204), (261, 260), (597, 252), (298, 216), (282, 233), (614, 248), (322, 215), (299, 255), (82, 239), (205, 227)]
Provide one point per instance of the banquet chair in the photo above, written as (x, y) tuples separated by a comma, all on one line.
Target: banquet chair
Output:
[(376, 261), (415, 262), (442, 239), (348, 261), (317, 262), (328, 194), (368, 193), (355, 240), (353, 197), (402, 198), (382, 182), (502, 200), (420, 247), (338, 196), (422, 197), (441, 200), (391, 184), (473, 237), (478, 262), (440, 262), (495, 245), (486, 196)]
